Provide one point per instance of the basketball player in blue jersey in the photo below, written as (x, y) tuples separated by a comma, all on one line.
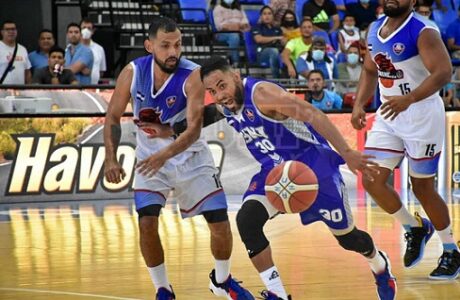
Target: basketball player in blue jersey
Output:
[(277, 127), (410, 62), (164, 89)]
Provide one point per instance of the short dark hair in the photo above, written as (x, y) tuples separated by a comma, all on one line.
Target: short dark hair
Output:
[(213, 64), (73, 24), (348, 15), (56, 49), (315, 71), (8, 22), (265, 7), (164, 23), (86, 20), (306, 20), (45, 30), (290, 12)]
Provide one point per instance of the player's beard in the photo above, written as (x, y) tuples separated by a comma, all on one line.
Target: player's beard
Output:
[(398, 11), (164, 67), (238, 97)]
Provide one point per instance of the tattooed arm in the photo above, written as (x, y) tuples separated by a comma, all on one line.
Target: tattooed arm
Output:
[(112, 129)]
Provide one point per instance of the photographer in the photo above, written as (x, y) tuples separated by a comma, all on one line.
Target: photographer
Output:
[(55, 73)]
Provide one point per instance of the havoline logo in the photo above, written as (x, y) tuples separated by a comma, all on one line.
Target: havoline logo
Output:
[(40, 167)]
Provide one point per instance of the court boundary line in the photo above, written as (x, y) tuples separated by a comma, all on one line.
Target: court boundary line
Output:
[(65, 293)]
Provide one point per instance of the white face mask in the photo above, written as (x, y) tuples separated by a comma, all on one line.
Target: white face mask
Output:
[(228, 2), (86, 34), (348, 27), (380, 15)]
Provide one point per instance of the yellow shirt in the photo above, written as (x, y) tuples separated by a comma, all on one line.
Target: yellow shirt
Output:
[(291, 34), (297, 47)]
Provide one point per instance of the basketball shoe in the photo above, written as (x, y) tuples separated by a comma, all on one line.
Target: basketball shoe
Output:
[(385, 281), (230, 288), (416, 240), (448, 266), (272, 296), (165, 294)]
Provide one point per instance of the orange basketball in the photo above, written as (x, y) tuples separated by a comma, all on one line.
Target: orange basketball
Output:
[(291, 187)]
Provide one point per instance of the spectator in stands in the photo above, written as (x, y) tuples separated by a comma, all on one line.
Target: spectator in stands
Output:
[(228, 16), (317, 59), (269, 39), (295, 47), (350, 70), (321, 12), (348, 34), (78, 58), (54, 72), (447, 94), (289, 26), (39, 58), (99, 63), (423, 9), (279, 9), (453, 37), (14, 61), (318, 96), (379, 12), (364, 12)]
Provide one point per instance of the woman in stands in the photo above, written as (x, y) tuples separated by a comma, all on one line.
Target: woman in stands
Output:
[(289, 26)]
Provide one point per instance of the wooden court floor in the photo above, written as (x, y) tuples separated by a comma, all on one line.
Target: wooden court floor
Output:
[(89, 250)]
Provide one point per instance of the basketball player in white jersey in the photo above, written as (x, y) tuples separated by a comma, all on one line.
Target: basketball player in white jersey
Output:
[(164, 89), (411, 64)]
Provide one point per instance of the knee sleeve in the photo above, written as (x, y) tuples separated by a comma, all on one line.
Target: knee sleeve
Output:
[(251, 219), (149, 211), (216, 216), (358, 241)]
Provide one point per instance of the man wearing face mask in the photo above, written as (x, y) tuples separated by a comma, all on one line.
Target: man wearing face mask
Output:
[(349, 70), (78, 58), (99, 65), (317, 59), (364, 11)]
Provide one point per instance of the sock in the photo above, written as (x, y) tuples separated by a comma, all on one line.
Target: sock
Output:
[(158, 276), (377, 263), (272, 280), (447, 239), (405, 218), (222, 270)]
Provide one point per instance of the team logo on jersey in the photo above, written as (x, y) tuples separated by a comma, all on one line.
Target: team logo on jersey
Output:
[(398, 48), (386, 70), (249, 113), (170, 101), (148, 115), (329, 104)]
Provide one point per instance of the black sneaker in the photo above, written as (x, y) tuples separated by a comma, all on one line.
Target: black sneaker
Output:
[(416, 240), (448, 266)]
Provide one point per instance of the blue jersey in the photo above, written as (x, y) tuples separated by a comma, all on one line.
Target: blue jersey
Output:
[(165, 106), (272, 142), (400, 67)]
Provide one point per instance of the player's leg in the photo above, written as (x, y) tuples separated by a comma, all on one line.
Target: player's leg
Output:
[(199, 191), (331, 206), (423, 165)]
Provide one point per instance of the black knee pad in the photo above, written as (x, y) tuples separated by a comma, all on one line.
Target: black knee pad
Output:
[(149, 211), (216, 216), (251, 219), (358, 241)]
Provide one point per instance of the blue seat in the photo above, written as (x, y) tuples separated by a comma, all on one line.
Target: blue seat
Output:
[(252, 2), (323, 34), (334, 37), (443, 19), (193, 11), (298, 9), (253, 16)]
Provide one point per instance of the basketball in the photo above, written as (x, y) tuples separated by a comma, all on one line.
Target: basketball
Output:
[(291, 187)]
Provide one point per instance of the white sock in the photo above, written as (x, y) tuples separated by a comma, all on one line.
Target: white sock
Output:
[(377, 263), (405, 218), (272, 280), (159, 277), (222, 270), (447, 239)]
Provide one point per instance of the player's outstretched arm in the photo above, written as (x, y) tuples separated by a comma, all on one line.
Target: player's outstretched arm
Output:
[(112, 129), (366, 88), (275, 102)]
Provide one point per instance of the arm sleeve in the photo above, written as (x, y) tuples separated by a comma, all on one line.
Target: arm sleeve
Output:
[(103, 66), (331, 9)]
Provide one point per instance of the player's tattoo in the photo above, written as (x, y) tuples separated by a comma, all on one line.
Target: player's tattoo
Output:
[(116, 135)]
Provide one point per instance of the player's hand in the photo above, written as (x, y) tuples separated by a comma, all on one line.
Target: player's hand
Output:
[(358, 161), (395, 105), (113, 171), (149, 166), (358, 117), (155, 130)]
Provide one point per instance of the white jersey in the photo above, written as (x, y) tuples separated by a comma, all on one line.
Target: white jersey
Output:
[(349, 39), (166, 106), (21, 63), (400, 67), (99, 64)]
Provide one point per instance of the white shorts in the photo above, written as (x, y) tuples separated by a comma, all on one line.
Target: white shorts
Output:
[(417, 133), (195, 183)]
